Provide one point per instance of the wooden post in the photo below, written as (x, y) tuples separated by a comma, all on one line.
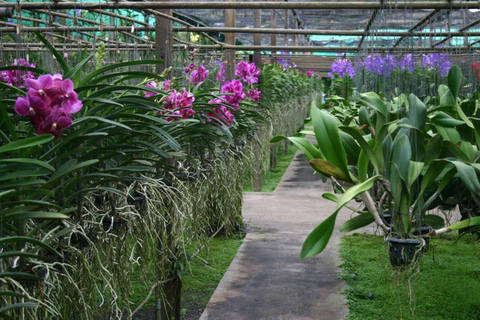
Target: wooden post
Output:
[(273, 37), (167, 295), (164, 40), (273, 42), (257, 58), (294, 36), (230, 39), (257, 37), (287, 24)]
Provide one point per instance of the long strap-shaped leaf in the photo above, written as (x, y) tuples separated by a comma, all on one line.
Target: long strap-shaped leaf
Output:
[(329, 140), (318, 239), (54, 51), (26, 143)]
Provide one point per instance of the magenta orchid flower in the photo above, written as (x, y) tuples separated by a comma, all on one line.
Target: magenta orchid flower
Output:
[(151, 84), (166, 84), (55, 123), (235, 87), (247, 72), (198, 75), (254, 94), (220, 112), (49, 102)]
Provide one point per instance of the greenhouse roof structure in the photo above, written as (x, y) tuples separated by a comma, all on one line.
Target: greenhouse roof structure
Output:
[(323, 27)]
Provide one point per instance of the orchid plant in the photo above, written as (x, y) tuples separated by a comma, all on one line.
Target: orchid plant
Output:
[(394, 166), (342, 74), (70, 138)]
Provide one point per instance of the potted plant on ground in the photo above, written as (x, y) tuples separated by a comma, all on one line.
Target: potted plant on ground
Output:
[(394, 167)]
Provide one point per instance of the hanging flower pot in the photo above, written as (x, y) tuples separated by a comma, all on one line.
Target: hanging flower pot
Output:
[(403, 252)]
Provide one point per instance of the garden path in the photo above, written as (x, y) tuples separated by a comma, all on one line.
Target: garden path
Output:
[(267, 279)]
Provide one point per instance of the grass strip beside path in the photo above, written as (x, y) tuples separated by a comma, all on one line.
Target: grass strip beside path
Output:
[(447, 286)]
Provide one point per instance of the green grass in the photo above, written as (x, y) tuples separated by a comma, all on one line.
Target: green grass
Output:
[(199, 279), (206, 273), (271, 178), (447, 286)]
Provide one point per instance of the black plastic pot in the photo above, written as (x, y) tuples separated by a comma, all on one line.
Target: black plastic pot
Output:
[(388, 218), (421, 232), (403, 252)]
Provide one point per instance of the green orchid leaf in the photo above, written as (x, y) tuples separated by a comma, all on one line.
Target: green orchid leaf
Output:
[(318, 239), (326, 168), (468, 176), (372, 100), (303, 144), (14, 306), (69, 167), (417, 112), (414, 172), (433, 148), (27, 161), (26, 143), (446, 96), (22, 275), (455, 80), (462, 116), (434, 221), (6, 193), (357, 135), (445, 120), (475, 221), (107, 121), (58, 55), (307, 132), (34, 215), (401, 156), (448, 134), (352, 148), (363, 162), (455, 151), (363, 116), (328, 138), (33, 241), (357, 222), (330, 196), (79, 66), (92, 77), (476, 124)]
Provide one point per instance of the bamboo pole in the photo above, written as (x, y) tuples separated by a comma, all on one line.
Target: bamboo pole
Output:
[(252, 48), (13, 27), (350, 5)]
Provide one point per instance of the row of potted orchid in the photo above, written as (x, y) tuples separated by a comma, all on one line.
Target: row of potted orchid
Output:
[(401, 157), (385, 73)]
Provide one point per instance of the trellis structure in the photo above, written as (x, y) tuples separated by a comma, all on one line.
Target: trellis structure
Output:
[(310, 33)]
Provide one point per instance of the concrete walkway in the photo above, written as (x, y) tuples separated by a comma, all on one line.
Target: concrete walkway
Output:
[(267, 279)]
